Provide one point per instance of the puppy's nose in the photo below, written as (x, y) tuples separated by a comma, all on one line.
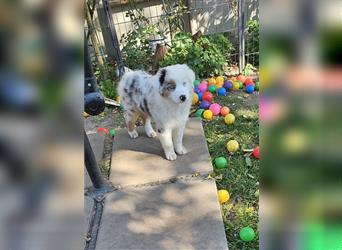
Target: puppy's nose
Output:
[(182, 98)]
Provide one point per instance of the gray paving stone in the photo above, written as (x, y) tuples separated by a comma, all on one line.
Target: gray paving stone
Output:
[(97, 143), (141, 160), (182, 215)]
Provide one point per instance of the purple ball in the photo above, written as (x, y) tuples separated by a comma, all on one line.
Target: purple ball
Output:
[(228, 85), (205, 105), (200, 94), (197, 90)]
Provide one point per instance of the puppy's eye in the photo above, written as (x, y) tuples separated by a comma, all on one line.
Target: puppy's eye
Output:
[(171, 88)]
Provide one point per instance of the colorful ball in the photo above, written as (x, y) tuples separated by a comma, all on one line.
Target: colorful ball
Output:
[(219, 79), (221, 91), (250, 89), (240, 84), (228, 85), (204, 82), (203, 87), (247, 234), (224, 111), (112, 132), (205, 105), (208, 115), (248, 80), (194, 98), (200, 94), (223, 196), (199, 112), (256, 87), (212, 88), (256, 152), (197, 90), (232, 146), (196, 83), (207, 96), (212, 81), (229, 119), (221, 162), (236, 86), (215, 108), (241, 78)]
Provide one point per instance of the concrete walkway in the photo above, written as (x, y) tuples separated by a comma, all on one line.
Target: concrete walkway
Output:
[(161, 204)]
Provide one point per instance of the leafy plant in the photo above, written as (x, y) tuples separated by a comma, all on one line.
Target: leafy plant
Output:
[(206, 56), (107, 79), (253, 39)]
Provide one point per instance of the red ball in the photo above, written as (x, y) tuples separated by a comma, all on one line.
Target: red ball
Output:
[(207, 96), (256, 152), (104, 130), (248, 80), (251, 83)]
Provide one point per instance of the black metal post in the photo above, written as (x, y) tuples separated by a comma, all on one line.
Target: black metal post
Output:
[(109, 32), (91, 164)]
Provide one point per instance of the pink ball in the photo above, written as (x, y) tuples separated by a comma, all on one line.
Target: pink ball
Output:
[(204, 82), (215, 108), (203, 87)]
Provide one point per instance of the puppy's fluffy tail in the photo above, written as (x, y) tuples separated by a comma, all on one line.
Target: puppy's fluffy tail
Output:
[(125, 71)]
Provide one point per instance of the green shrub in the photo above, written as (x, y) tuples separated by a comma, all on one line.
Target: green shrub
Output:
[(107, 80), (253, 39), (206, 56)]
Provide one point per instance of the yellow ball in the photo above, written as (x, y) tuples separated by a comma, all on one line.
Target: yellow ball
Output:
[(208, 115), (212, 81), (229, 119), (220, 79), (232, 146), (194, 99), (223, 196), (236, 86)]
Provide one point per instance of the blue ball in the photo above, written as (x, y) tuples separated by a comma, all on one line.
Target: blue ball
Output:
[(250, 89), (200, 94), (197, 90), (228, 85), (205, 105), (221, 91)]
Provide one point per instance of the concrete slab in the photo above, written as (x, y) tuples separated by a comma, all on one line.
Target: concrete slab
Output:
[(142, 160), (181, 215), (97, 143)]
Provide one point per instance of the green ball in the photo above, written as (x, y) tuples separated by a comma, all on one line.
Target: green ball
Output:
[(256, 87), (112, 132), (247, 234), (240, 84), (212, 88), (196, 83), (199, 112), (221, 163)]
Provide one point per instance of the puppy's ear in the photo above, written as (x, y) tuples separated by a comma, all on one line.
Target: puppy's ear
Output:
[(162, 75), (190, 74)]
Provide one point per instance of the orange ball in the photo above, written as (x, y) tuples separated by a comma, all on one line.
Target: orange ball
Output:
[(224, 111), (241, 78)]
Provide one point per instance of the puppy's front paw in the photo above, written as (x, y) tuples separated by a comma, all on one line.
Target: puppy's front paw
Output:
[(171, 156), (133, 134), (181, 150), (151, 134)]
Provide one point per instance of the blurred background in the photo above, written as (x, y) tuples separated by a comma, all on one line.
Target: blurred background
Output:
[(300, 121), (41, 143), (41, 124)]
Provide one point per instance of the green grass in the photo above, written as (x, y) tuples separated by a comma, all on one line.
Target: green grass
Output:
[(241, 177)]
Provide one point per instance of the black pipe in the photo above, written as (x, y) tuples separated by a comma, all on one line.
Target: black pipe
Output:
[(91, 164)]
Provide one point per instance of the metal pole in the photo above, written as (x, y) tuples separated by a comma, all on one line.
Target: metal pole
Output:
[(241, 29), (91, 164), (110, 29)]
